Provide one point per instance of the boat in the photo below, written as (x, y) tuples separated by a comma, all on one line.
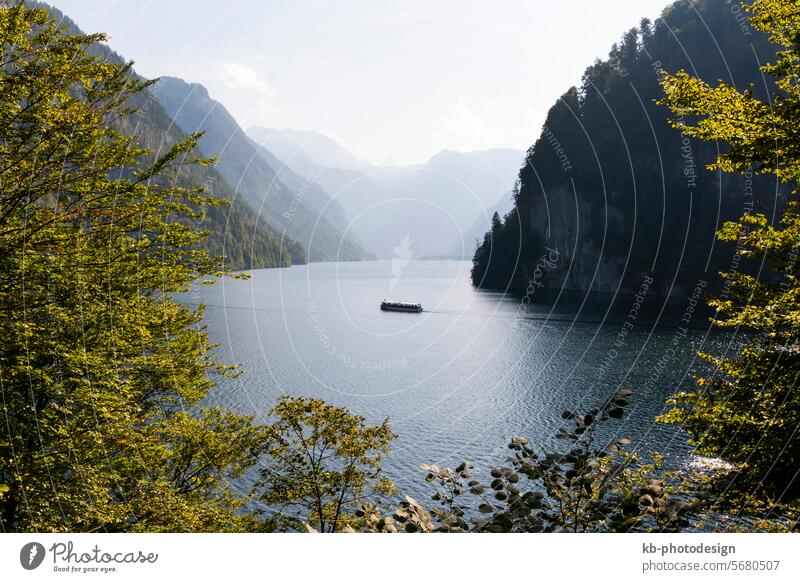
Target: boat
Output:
[(401, 306)]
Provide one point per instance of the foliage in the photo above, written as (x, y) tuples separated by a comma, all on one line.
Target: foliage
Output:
[(325, 463), (410, 517), (494, 257), (594, 486), (748, 410), (99, 364)]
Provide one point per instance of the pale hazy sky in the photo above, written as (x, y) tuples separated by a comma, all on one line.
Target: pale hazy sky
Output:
[(390, 80)]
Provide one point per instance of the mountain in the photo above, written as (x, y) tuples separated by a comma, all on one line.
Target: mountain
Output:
[(280, 152), (433, 204), (617, 193), (306, 148), (314, 196), (304, 213), (235, 229)]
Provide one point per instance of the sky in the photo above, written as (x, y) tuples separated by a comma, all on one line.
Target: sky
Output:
[(393, 81)]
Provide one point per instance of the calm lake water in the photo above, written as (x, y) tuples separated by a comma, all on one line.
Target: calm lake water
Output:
[(456, 381)]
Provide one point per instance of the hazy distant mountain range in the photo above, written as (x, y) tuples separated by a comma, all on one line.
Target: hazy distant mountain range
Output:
[(436, 204), (306, 149), (287, 202), (299, 195)]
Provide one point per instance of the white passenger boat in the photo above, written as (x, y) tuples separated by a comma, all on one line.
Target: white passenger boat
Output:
[(401, 306)]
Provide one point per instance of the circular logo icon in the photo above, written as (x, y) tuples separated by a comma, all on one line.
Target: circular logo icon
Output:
[(31, 555)]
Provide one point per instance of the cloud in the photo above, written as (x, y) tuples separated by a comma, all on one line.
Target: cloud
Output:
[(246, 93), (241, 77), (465, 127)]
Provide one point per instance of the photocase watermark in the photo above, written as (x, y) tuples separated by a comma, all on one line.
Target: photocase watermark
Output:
[(190, 47), (668, 355), (747, 208), (330, 348), (66, 558), (627, 325), (566, 165), (689, 168), (299, 197), (689, 165), (295, 203), (697, 295), (31, 555), (740, 16), (547, 262), (402, 256)]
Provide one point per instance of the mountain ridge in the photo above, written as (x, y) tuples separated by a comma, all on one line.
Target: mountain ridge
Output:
[(235, 230), (434, 203), (253, 178), (610, 184)]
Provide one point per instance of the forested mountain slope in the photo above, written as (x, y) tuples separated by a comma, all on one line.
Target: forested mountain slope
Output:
[(304, 213), (235, 229), (613, 187)]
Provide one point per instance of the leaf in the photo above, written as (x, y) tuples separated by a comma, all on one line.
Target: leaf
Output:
[(616, 413)]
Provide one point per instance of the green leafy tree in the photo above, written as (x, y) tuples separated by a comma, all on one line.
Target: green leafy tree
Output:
[(324, 462), (748, 410), (99, 366)]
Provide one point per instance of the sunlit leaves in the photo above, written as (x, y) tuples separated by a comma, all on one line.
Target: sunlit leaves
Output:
[(748, 408), (324, 462), (99, 366)]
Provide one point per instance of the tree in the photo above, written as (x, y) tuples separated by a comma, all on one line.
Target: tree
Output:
[(498, 254), (610, 183), (101, 371), (747, 410), (325, 463)]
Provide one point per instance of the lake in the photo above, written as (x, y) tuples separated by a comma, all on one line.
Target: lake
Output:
[(461, 378)]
